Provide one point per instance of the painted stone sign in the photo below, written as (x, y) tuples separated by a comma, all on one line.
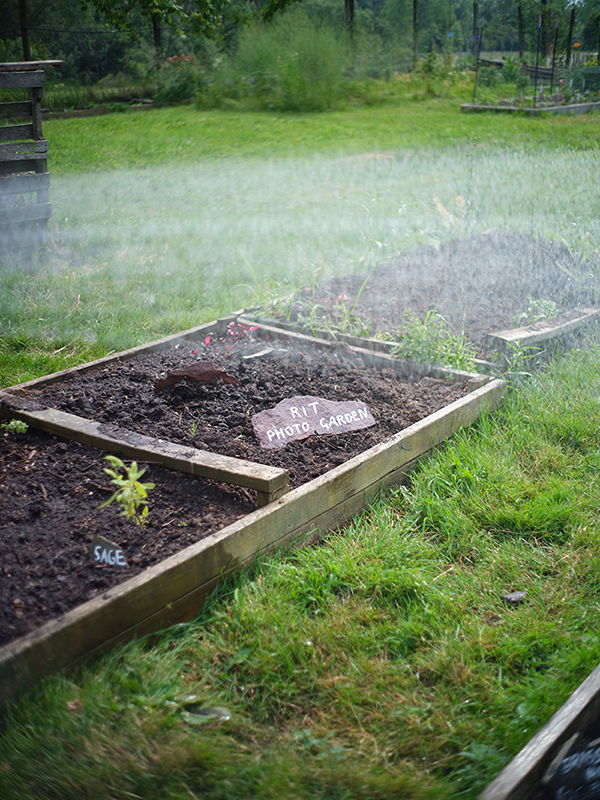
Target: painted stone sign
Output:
[(102, 551), (300, 417)]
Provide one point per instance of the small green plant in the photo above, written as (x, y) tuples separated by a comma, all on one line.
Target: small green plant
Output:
[(131, 494), (514, 360), (15, 426), (537, 310), (430, 342)]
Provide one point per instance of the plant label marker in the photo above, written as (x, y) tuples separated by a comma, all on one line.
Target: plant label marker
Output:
[(300, 417), (104, 552)]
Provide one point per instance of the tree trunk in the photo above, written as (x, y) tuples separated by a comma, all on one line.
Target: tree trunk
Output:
[(349, 6), (521, 31), (544, 31), (475, 22), (570, 37), (24, 30), (415, 32), (157, 36)]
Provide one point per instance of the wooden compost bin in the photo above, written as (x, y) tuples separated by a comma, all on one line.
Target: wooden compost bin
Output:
[(174, 590), (24, 178)]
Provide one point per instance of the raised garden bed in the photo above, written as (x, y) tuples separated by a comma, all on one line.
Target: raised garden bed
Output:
[(332, 481), (573, 108), (483, 287)]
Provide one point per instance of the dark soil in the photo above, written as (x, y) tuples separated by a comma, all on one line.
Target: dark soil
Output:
[(50, 493), (51, 490), (478, 285)]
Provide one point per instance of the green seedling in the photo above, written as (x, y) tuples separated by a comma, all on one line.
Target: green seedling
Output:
[(537, 310), (15, 426), (131, 494)]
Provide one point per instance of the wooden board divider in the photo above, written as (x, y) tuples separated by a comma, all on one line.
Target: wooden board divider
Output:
[(191, 334), (174, 591), (373, 358), (269, 482)]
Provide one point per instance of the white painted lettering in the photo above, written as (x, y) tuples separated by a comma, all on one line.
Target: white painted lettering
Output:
[(340, 419), (294, 411), (121, 559), (354, 416), (97, 553), (111, 557), (324, 424), (362, 413), (305, 427), (333, 421), (313, 406), (289, 430), (104, 556)]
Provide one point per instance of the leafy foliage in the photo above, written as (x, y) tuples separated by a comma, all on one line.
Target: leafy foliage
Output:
[(131, 494)]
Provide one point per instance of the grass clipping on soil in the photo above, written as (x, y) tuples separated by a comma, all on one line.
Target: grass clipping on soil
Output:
[(383, 663)]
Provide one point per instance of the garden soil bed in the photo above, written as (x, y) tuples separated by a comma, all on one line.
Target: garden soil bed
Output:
[(218, 416), (480, 284), (51, 489)]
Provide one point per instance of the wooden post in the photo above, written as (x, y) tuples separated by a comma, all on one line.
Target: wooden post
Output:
[(521, 31), (570, 37), (554, 57)]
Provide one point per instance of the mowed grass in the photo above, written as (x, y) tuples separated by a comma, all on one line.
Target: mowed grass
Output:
[(169, 218), (163, 136), (383, 663)]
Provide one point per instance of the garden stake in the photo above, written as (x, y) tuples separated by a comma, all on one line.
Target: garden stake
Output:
[(477, 51), (554, 57)]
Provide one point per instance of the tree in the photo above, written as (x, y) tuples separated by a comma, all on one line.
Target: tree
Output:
[(204, 16)]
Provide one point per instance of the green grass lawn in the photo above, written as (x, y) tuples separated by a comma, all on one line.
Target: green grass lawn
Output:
[(384, 662)]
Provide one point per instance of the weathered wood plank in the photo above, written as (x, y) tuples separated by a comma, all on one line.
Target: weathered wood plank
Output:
[(20, 66), (36, 113), (518, 779), (364, 342), (547, 328), (14, 110), (21, 184), (113, 439), (23, 79), (192, 334), (375, 359), (175, 589), (32, 213), (23, 165), (13, 133), (24, 151)]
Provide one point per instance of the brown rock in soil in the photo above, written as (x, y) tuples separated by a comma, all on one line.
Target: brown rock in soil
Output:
[(200, 372)]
